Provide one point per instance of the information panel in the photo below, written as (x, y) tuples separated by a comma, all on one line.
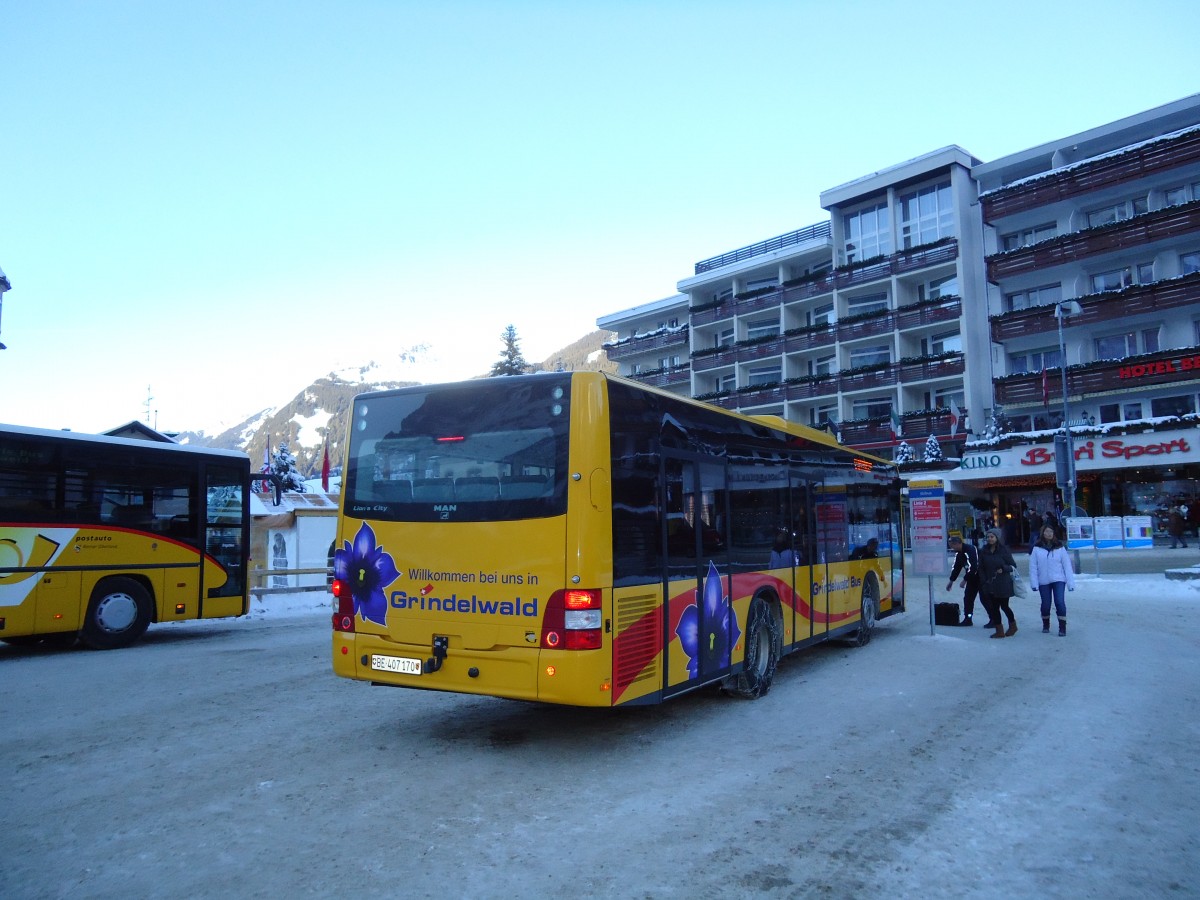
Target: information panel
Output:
[(927, 501)]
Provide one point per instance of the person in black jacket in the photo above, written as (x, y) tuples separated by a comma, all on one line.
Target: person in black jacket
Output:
[(966, 561), (996, 568)]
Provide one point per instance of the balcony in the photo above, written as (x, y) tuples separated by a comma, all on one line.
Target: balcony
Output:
[(646, 343), (1153, 226), (1087, 177), (1158, 296), (703, 362), (945, 309), (821, 336), (812, 389), (667, 377), (912, 425), (1167, 367), (861, 381), (820, 231), (851, 329), (927, 369)]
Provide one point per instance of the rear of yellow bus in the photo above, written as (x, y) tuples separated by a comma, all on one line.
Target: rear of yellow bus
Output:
[(474, 545)]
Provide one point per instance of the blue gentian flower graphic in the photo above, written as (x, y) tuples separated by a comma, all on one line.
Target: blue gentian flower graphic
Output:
[(721, 628), (368, 570)]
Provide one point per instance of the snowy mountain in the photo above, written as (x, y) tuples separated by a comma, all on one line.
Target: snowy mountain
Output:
[(322, 409)]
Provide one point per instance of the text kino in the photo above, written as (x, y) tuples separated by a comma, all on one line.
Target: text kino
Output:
[(1162, 367), (1037, 456), (980, 462)]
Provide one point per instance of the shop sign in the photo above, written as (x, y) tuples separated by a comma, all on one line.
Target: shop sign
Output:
[(1116, 448), (981, 461), (1160, 367)]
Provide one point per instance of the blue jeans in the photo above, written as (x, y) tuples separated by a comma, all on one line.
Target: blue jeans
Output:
[(1057, 590)]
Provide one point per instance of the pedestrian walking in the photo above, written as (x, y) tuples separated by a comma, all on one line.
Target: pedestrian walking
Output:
[(1051, 573), (966, 561), (996, 569), (1175, 520)]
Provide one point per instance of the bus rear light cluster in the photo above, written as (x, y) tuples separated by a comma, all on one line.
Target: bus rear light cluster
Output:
[(573, 620), (343, 616)]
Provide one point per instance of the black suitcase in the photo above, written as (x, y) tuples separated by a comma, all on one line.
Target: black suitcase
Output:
[(945, 614)]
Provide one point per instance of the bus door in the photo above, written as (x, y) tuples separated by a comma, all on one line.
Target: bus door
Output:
[(701, 624), (810, 607)]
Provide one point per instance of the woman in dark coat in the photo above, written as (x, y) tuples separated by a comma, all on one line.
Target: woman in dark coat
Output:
[(996, 568)]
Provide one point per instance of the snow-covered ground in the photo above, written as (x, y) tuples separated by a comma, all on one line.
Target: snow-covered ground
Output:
[(223, 758)]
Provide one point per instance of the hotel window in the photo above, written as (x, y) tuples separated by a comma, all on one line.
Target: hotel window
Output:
[(826, 365), (948, 342), (755, 330), (1118, 212), (760, 283), (926, 215), (875, 408), (1181, 194), (1189, 263), (1119, 346), (1179, 405), (938, 287), (1132, 411), (870, 356), (725, 382), (723, 296), (1116, 279), (873, 303), (822, 315), (764, 375), (948, 398), (1046, 295), (1033, 361), (1028, 236), (723, 338), (867, 233), (823, 414)]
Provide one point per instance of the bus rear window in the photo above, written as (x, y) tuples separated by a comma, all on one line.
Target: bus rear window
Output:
[(493, 450)]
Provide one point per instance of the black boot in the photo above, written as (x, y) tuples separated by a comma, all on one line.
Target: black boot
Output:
[(1062, 627), (1045, 624), (966, 620)]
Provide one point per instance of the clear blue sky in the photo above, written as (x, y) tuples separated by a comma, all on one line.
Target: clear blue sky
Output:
[(220, 201)]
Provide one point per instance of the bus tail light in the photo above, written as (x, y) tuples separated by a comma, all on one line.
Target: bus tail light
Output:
[(573, 621), (343, 616)]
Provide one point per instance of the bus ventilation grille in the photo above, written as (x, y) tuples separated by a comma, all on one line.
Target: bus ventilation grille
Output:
[(639, 639)]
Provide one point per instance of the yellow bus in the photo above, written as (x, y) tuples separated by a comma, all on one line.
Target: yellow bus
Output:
[(100, 536), (581, 539)]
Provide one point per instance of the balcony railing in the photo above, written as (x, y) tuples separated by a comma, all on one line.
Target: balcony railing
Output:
[(912, 426), (816, 232), (667, 378), (1142, 298), (1152, 226), (934, 368), (1088, 177), (896, 264), (663, 340), (1166, 367), (928, 314)]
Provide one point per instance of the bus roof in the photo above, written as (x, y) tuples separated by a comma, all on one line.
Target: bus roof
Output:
[(107, 440), (776, 423)]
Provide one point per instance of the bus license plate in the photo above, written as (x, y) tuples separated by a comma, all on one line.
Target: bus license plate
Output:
[(401, 664)]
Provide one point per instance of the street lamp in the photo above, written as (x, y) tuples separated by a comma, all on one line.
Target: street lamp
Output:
[(1065, 450)]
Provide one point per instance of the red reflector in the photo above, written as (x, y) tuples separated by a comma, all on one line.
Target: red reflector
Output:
[(343, 619), (583, 640), (450, 438)]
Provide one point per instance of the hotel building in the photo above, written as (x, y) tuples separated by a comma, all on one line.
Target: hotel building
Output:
[(930, 303)]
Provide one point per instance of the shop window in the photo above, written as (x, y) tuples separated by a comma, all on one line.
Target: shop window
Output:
[(1110, 412), (1132, 411)]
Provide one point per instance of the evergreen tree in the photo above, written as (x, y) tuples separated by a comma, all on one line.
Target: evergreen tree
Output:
[(511, 361), (283, 464), (933, 450), (903, 453)]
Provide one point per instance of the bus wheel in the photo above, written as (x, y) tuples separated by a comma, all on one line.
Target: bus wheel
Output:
[(117, 615), (763, 642), (869, 612)]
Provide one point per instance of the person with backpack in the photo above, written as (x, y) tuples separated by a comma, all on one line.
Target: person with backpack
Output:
[(996, 568), (1051, 573), (966, 561)]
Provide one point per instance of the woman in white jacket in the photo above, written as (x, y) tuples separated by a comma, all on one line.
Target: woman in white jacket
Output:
[(1050, 572)]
